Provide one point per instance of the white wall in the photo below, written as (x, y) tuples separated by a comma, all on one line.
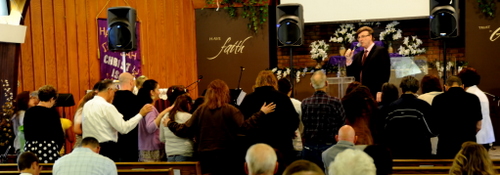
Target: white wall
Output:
[(324, 11)]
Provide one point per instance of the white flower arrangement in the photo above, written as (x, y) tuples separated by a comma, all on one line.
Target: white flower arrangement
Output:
[(318, 50), (411, 46), (391, 33), (344, 35), (283, 73)]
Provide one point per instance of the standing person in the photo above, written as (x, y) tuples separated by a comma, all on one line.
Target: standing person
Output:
[(285, 87), (77, 127), (471, 79), (407, 122), (178, 149), (431, 86), (85, 160), (457, 116), (103, 121), (360, 107), (24, 100), (371, 67), (127, 103), (323, 115), (27, 164), (42, 127), (279, 128), (215, 126), (150, 147)]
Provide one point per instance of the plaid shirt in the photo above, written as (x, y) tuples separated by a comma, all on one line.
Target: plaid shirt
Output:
[(322, 116)]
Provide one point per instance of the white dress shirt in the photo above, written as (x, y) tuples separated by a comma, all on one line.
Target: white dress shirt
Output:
[(103, 121), (429, 96), (486, 134), (83, 161)]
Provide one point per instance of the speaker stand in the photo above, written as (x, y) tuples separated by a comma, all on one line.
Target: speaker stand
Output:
[(445, 63), (292, 79), (123, 61)]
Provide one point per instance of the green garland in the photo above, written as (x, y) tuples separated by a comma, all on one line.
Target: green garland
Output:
[(487, 7), (254, 10)]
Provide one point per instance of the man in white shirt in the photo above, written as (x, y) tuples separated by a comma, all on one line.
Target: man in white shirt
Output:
[(27, 164), (470, 79), (103, 121), (85, 160)]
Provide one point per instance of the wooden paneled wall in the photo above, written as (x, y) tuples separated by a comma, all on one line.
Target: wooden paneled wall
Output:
[(61, 43)]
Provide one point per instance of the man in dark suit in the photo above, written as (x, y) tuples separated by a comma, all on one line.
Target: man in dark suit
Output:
[(371, 67)]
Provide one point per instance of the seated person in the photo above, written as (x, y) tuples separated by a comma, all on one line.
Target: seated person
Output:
[(352, 162), (261, 159), (303, 167), (472, 159), (27, 164), (345, 140)]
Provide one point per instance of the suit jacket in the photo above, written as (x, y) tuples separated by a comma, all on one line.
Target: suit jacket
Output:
[(376, 70)]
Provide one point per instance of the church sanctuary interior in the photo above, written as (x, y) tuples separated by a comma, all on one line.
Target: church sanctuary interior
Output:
[(209, 87)]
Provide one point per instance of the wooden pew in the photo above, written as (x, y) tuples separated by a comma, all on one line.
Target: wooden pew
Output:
[(430, 162), (184, 168)]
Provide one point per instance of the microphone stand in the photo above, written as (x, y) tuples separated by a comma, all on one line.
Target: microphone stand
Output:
[(197, 81), (495, 98), (241, 73)]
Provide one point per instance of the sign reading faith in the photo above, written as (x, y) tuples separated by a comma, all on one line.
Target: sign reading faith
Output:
[(111, 62)]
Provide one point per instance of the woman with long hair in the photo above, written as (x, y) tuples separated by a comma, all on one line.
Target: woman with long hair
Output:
[(178, 148), (77, 127), (24, 100), (215, 126), (42, 127), (150, 147), (360, 106), (472, 159)]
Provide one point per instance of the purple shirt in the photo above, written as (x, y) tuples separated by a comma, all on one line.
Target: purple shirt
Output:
[(149, 134)]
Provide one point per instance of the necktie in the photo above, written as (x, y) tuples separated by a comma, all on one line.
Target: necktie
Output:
[(364, 57), (362, 63)]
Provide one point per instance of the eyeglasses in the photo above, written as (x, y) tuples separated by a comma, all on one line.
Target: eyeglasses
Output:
[(362, 36)]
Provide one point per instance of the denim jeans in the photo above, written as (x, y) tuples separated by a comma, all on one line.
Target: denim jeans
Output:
[(312, 152), (178, 158)]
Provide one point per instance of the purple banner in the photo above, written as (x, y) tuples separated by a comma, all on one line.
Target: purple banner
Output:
[(111, 62)]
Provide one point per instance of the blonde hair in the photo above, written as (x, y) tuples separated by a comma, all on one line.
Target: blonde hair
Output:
[(140, 80), (472, 159), (266, 78)]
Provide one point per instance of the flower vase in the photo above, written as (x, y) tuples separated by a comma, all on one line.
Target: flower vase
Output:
[(318, 64), (390, 49), (342, 50)]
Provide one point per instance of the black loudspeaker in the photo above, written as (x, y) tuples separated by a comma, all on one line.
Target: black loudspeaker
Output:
[(121, 29), (444, 17), (290, 24)]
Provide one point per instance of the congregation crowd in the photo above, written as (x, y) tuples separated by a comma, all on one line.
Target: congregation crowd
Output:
[(268, 133)]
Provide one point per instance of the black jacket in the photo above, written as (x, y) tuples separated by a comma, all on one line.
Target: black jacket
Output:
[(376, 70), (277, 129)]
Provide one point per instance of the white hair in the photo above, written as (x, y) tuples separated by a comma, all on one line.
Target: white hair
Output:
[(318, 79), (352, 162), (261, 159)]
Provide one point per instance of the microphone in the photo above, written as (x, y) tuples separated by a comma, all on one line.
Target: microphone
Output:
[(199, 78), (197, 81), (242, 68)]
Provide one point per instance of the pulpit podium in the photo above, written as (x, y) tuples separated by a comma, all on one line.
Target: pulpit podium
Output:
[(338, 85)]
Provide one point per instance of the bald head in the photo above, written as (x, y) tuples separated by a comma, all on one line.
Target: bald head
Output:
[(346, 133), (318, 80), (126, 81), (261, 159)]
